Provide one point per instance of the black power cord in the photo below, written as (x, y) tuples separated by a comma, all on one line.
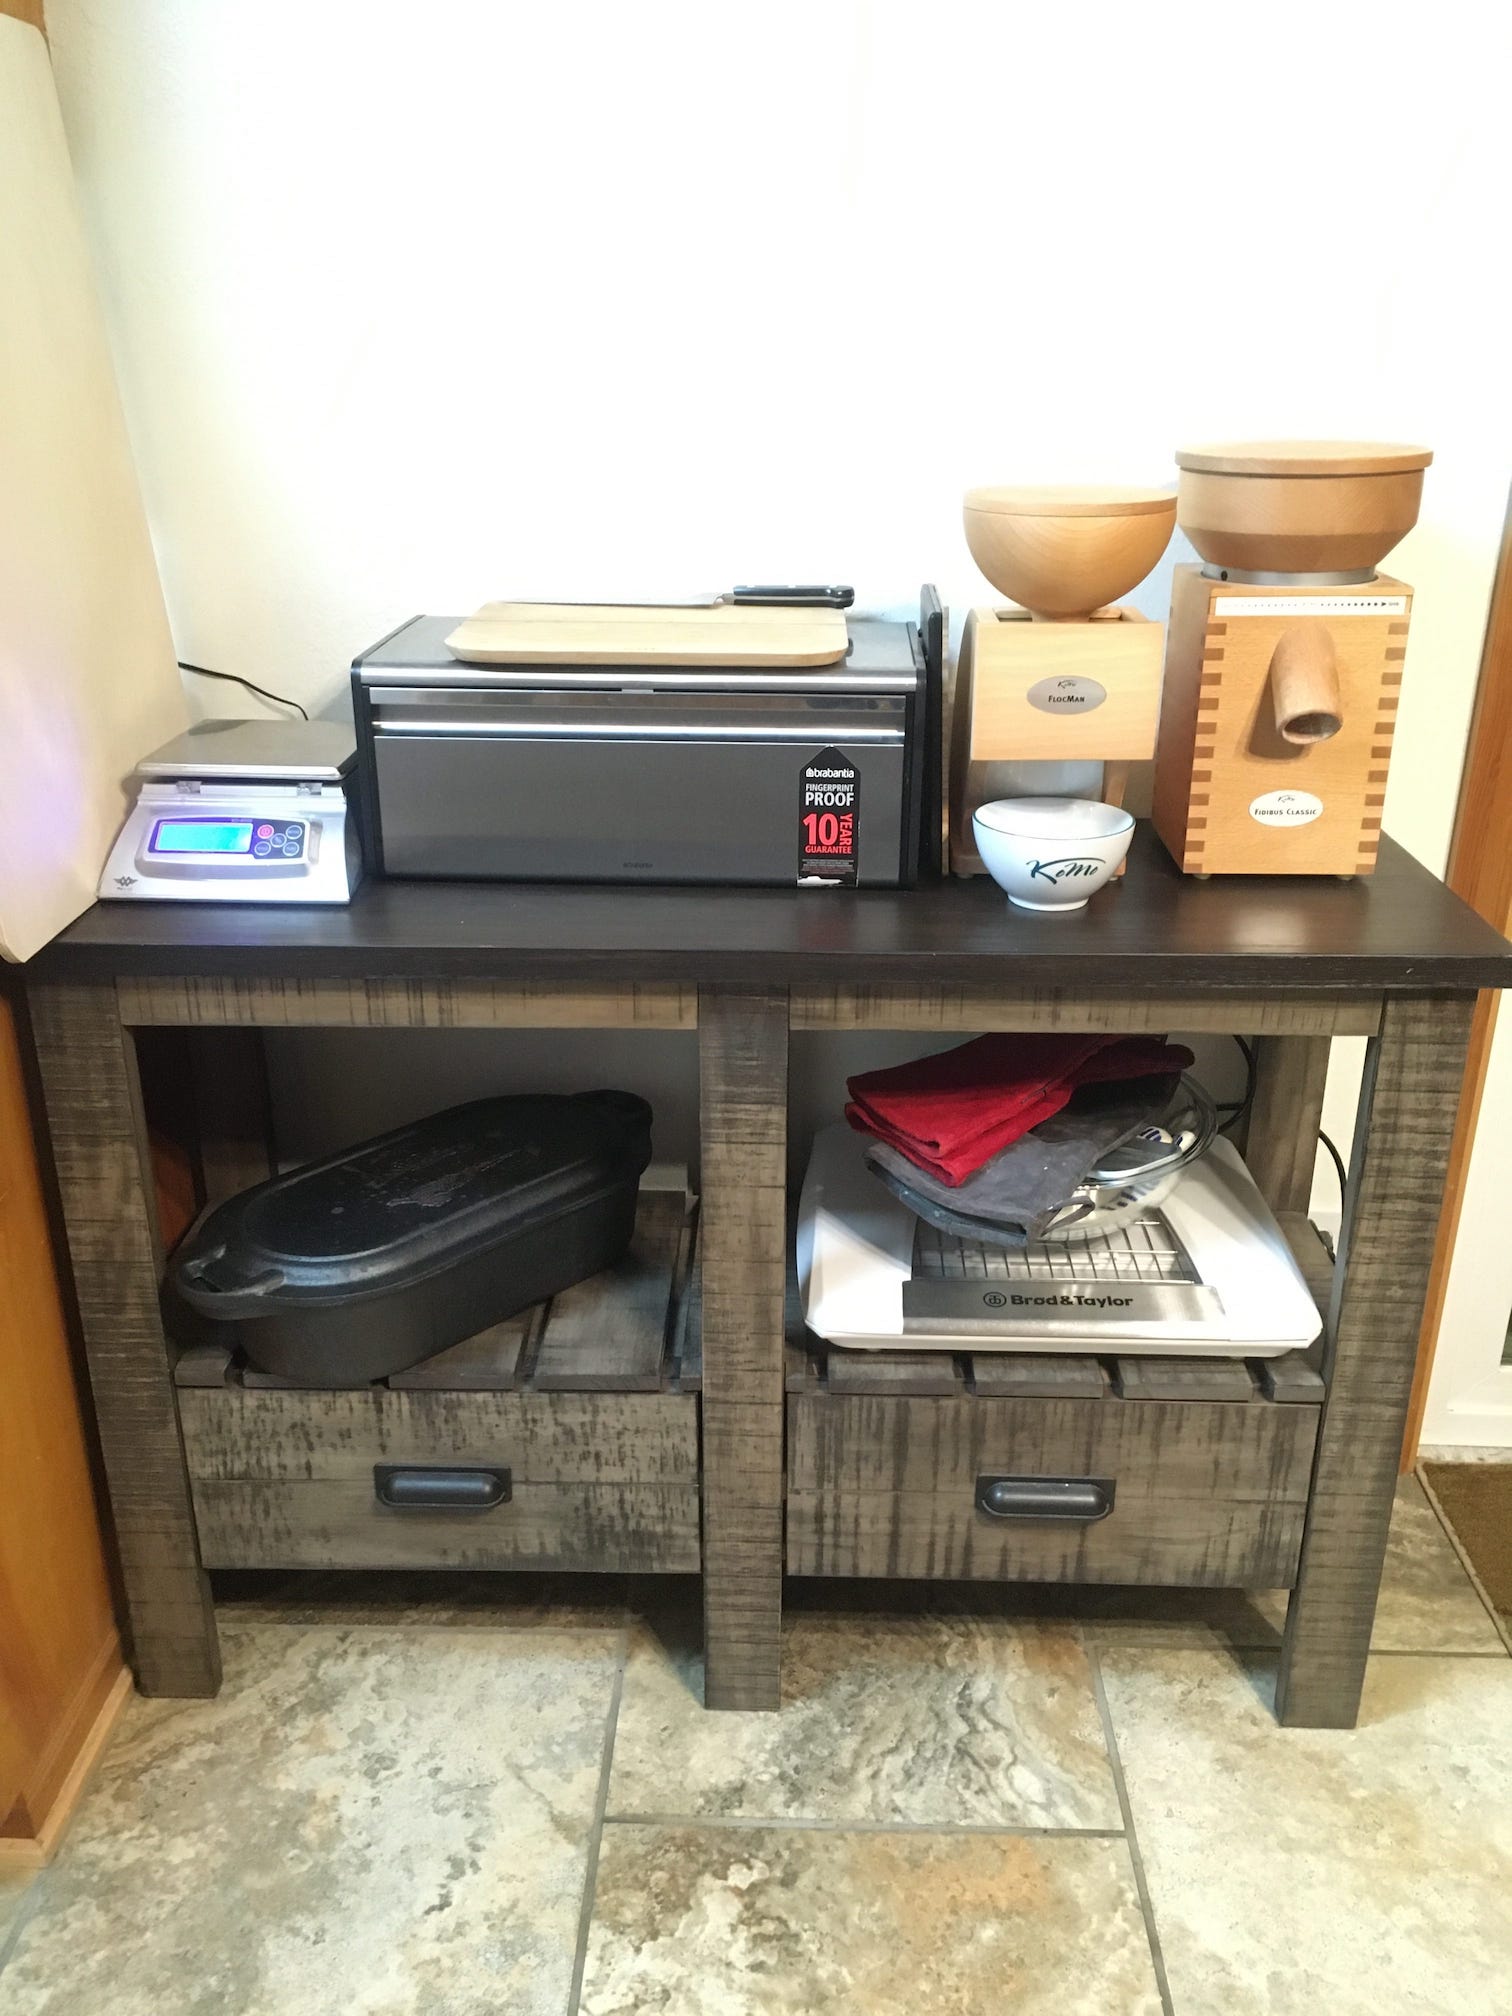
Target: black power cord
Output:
[(279, 699), (1338, 1162), (1237, 1108)]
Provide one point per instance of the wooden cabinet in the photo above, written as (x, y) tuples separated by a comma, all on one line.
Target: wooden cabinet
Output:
[(61, 1674), (1264, 1486)]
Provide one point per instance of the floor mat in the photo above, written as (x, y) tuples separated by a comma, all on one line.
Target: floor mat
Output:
[(1476, 1499)]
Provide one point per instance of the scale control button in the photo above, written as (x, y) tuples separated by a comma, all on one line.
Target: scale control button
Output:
[(265, 832), (261, 848), (291, 847)]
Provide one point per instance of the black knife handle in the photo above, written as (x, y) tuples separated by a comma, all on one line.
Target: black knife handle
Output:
[(803, 597)]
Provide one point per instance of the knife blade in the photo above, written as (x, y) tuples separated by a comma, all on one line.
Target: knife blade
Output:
[(762, 596)]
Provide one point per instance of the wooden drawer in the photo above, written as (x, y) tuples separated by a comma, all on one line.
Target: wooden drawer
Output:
[(1208, 1493), (285, 1479)]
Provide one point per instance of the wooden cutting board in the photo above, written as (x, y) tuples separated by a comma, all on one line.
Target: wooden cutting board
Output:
[(88, 684), (725, 633)]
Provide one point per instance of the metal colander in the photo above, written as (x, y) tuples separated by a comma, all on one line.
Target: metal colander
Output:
[(1133, 1178)]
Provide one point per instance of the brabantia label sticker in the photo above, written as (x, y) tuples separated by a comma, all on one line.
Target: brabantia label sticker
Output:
[(1286, 808), (829, 820)]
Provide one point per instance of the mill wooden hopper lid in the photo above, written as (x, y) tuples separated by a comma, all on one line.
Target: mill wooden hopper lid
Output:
[(1056, 500), (1303, 458)]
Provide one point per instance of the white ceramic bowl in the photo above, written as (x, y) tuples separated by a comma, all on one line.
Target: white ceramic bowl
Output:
[(1051, 853)]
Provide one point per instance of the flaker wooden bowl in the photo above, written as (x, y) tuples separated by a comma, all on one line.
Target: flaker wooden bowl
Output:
[(1062, 553)]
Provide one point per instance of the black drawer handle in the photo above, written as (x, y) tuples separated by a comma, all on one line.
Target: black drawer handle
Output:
[(1078, 1499), (437, 1488)]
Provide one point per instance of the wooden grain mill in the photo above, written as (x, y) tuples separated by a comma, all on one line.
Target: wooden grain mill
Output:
[(1284, 659)]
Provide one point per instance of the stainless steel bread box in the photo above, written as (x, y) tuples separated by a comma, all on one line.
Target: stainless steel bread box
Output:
[(655, 773)]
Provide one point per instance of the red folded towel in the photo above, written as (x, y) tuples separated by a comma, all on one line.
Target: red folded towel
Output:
[(952, 1112)]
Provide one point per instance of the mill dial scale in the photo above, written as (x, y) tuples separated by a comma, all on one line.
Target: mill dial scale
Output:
[(241, 812)]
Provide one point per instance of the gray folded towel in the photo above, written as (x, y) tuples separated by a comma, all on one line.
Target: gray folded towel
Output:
[(981, 1231), (1022, 1189)]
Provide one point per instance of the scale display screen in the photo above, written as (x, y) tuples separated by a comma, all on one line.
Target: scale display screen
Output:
[(202, 836)]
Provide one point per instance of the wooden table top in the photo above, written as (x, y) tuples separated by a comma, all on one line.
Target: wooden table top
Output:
[(1397, 929)]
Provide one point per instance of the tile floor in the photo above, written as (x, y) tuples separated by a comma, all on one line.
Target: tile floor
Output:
[(496, 1798)]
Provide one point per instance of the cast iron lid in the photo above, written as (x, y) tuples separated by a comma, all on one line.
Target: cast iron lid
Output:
[(407, 1204)]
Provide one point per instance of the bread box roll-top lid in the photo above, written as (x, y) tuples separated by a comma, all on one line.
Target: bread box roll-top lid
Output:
[(411, 1203), (1303, 458)]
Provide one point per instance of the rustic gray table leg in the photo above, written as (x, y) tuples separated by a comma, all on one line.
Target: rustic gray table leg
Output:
[(93, 1109), (742, 1046), (1401, 1152), (1281, 1144)]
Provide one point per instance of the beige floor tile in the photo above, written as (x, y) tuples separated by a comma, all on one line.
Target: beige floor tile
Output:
[(420, 1597), (946, 1720), (14, 1890), (1428, 1603), (709, 1921), (1359, 1872), (364, 1823)]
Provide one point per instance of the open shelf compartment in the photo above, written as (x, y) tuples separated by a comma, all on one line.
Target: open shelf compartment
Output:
[(583, 1412)]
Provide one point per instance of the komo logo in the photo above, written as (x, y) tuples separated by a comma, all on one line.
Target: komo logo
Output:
[(1067, 869)]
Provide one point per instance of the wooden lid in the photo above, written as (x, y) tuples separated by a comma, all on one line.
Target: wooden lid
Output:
[(1303, 458), (1056, 500)]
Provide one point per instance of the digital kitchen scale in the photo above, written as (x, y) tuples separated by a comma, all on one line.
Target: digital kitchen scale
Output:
[(241, 812), (1205, 1273)]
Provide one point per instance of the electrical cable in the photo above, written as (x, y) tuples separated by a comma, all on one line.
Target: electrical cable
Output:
[(280, 699), (1237, 1108), (1338, 1162)]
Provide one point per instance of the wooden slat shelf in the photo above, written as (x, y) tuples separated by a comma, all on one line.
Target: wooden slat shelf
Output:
[(638, 1328), (1006, 1375)]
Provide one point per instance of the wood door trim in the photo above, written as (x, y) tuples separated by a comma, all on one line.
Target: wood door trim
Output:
[(1480, 870), (16, 1854)]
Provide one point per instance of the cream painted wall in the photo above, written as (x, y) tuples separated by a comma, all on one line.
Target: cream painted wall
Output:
[(416, 306)]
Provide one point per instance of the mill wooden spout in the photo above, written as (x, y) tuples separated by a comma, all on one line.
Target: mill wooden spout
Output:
[(1304, 683)]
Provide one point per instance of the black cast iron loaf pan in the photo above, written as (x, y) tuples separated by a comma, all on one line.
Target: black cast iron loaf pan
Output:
[(363, 1264)]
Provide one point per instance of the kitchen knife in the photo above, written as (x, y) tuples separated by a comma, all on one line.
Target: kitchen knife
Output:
[(766, 596)]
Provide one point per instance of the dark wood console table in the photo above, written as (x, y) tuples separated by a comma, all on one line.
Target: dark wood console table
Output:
[(1396, 959)]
